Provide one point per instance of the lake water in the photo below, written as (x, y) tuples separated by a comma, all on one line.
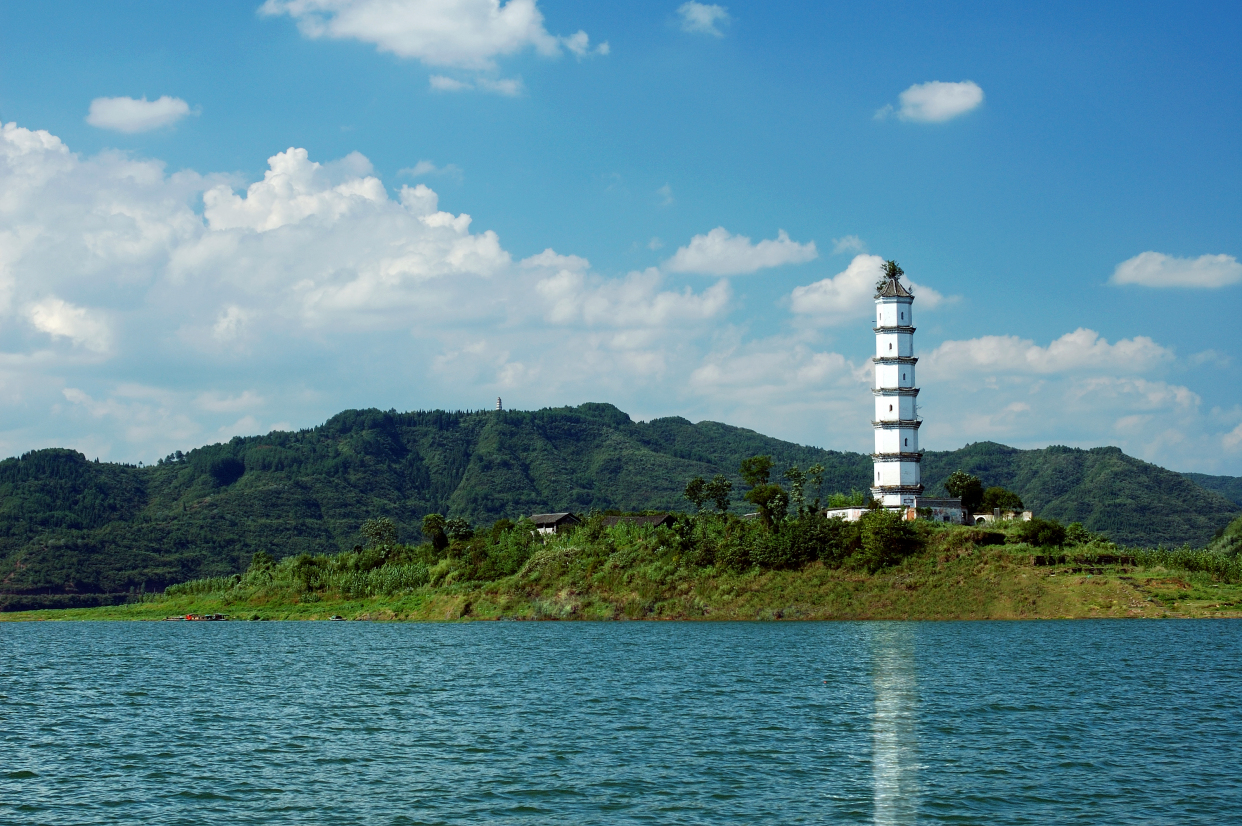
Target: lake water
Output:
[(567, 723)]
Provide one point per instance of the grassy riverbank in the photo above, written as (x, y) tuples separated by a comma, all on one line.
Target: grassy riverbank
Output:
[(641, 573)]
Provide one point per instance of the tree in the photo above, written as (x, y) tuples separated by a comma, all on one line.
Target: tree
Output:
[(262, 561), (998, 497), (841, 540), (499, 528), (797, 485), (757, 470), (1041, 533), (815, 475), (891, 270), (853, 499), (1076, 534), (969, 489), (433, 529), (696, 492), (379, 532), (458, 529), (886, 539), (771, 500), (718, 491), (305, 569), (226, 470)]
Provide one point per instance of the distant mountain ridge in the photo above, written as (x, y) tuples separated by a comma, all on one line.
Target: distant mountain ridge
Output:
[(69, 526), (1229, 487)]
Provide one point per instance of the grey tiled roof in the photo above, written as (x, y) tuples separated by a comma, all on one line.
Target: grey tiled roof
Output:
[(893, 289), (545, 520)]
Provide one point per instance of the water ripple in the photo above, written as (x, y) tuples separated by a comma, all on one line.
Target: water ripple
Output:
[(627, 723)]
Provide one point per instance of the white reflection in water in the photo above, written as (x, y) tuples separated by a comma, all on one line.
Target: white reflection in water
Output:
[(894, 737)]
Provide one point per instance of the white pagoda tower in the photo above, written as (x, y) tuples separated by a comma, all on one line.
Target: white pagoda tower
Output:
[(897, 482)]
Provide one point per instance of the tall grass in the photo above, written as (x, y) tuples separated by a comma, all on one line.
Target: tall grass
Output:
[(208, 585), (340, 574), (385, 581), (1219, 566)]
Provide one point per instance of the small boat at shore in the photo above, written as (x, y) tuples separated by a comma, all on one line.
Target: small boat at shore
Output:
[(197, 618)]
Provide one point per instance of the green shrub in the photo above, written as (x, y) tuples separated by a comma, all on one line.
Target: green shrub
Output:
[(805, 539), (1228, 540), (499, 528), (887, 538), (1042, 533), (507, 555), (998, 497), (1076, 534), (732, 551), (842, 540)]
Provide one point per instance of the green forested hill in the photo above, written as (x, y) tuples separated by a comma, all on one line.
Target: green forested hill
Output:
[(1131, 501), (69, 526), (1229, 487)]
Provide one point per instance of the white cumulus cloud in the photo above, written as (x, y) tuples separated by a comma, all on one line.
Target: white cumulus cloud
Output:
[(1080, 350), (773, 383), (292, 189), (464, 34), (719, 252), (850, 243), (848, 296), (82, 326), (509, 86), (425, 167), (1233, 439), (145, 312), (844, 297), (1154, 269), (128, 115), (218, 402), (1079, 389), (703, 18), (635, 301), (935, 101), (308, 282)]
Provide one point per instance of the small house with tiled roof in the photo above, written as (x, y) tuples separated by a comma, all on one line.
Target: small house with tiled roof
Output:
[(554, 522)]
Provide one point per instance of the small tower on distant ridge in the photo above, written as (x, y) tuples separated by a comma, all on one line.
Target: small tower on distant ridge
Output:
[(499, 406), (897, 480)]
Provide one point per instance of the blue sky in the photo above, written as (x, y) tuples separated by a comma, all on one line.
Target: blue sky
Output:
[(716, 186)]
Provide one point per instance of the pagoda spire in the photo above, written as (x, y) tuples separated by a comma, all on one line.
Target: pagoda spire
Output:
[(896, 478)]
